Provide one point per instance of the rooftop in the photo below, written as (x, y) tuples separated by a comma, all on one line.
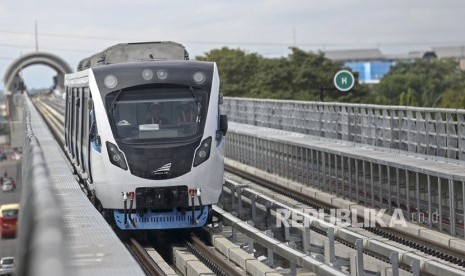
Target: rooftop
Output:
[(360, 54), (376, 54)]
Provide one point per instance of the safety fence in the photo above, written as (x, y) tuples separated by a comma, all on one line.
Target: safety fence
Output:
[(41, 246), (428, 192), (430, 131)]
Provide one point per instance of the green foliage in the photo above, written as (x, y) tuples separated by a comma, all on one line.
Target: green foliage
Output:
[(409, 98), (298, 76), (453, 99), (236, 69), (421, 83)]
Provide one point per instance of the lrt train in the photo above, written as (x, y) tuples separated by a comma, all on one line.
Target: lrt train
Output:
[(145, 134)]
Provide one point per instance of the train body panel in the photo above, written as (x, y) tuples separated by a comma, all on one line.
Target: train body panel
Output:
[(154, 172)]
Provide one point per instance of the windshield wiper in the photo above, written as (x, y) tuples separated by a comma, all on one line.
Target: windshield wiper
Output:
[(199, 105), (113, 103)]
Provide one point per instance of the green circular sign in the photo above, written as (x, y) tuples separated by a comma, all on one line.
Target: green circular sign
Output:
[(344, 80)]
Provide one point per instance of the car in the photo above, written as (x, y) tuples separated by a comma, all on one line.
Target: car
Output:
[(8, 185), (8, 219), (7, 266)]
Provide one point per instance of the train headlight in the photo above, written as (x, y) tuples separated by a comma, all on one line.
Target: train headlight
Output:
[(162, 74), (147, 74), (110, 81), (116, 156), (199, 77), (203, 152)]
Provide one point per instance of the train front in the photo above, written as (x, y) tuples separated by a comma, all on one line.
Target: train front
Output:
[(162, 133)]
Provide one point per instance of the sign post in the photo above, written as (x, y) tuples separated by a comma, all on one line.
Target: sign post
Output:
[(344, 80)]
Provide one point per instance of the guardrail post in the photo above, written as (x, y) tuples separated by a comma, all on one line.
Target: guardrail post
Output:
[(463, 205), (233, 198), (336, 261), (292, 265), (416, 268), (287, 234), (270, 259), (254, 207), (332, 253), (306, 239), (394, 258), (452, 208), (359, 248), (319, 250), (269, 220), (359, 259), (234, 233), (440, 203), (250, 248), (239, 202)]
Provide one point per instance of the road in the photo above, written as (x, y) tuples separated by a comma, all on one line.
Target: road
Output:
[(13, 169)]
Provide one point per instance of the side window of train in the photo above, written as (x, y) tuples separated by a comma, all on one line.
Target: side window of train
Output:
[(67, 118), (93, 130)]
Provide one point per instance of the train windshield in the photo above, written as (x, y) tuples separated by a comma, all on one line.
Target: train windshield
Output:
[(141, 114)]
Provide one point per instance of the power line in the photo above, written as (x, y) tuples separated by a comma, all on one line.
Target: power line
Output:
[(280, 44), (67, 35), (14, 45), (48, 49), (323, 46)]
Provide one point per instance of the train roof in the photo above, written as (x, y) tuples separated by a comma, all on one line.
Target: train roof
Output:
[(133, 52)]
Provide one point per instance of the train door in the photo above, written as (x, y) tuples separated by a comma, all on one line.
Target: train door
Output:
[(85, 132), (72, 122), (67, 119), (82, 109), (78, 109)]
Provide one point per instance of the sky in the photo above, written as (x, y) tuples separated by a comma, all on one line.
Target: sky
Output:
[(74, 29)]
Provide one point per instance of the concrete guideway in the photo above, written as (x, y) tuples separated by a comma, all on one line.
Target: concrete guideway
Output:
[(91, 245)]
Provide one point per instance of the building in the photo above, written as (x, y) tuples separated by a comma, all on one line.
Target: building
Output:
[(371, 64)]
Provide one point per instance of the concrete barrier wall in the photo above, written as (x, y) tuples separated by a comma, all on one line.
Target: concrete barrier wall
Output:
[(41, 248)]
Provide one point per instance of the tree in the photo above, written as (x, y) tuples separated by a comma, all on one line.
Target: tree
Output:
[(236, 69), (421, 82), (452, 99), (298, 76), (408, 98)]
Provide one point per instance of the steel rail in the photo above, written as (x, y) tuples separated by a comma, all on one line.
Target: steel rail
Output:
[(54, 120), (221, 265), (148, 264)]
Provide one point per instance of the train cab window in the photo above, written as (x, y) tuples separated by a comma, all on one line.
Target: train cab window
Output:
[(151, 114), (93, 132)]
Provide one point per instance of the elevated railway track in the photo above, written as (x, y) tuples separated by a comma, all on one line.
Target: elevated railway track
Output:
[(400, 252)]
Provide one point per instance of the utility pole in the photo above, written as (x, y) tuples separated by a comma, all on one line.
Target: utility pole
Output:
[(37, 40), (293, 36)]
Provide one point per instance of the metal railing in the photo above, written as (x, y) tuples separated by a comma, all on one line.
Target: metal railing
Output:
[(312, 242), (362, 177), (41, 246), (430, 131)]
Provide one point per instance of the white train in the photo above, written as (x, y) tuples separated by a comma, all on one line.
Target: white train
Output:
[(145, 134)]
